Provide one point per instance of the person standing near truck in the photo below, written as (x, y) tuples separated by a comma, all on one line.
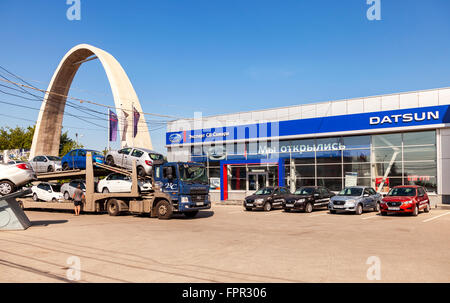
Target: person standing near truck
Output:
[(78, 196)]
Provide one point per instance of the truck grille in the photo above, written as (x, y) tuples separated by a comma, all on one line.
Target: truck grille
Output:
[(198, 198), (199, 191)]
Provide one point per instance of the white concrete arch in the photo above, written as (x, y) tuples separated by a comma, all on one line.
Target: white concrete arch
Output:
[(49, 124)]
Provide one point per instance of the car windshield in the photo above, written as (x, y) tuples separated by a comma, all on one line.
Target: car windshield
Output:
[(264, 191), (156, 156), (96, 153), (53, 158), (354, 192), (193, 173), (402, 192), (56, 187), (304, 191)]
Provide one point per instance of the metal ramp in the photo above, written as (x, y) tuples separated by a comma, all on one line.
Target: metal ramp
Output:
[(12, 217)]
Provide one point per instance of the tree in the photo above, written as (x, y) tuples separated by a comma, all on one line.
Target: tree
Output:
[(22, 138)]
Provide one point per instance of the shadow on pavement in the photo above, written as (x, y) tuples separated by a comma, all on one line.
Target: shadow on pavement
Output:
[(47, 222)]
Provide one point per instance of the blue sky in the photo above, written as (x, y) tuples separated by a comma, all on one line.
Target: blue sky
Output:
[(224, 56)]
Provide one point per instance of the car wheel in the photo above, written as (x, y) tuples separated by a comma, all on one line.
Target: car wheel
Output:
[(105, 190), (191, 214), (65, 166), (332, 211), (54, 200), (287, 210), (427, 208), (359, 209), (164, 210), (50, 169), (415, 212), (383, 213), (113, 207), (110, 161), (6, 188), (308, 207), (248, 208), (66, 195), (141, 171), (267, 206), (377, 207), (35, 197)]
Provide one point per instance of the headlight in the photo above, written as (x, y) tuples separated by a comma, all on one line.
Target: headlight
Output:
[(407, 202), (300, 200), (259, 201), (350, 202), (184, 199)]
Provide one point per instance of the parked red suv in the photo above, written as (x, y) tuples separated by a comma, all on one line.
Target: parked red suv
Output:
[(405, 199)]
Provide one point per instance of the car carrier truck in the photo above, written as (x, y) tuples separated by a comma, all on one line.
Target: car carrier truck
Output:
[(156, 203)]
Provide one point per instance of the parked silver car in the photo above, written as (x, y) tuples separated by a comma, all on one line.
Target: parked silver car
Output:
[(13, 176), (45, 164), (67, 189), (355, 199), (145, 159)]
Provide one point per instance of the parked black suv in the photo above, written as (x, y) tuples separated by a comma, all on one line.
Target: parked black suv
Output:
[(307, 198), (267, 198)]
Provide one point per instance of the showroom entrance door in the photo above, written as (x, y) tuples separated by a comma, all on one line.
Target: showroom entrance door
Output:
[(257, 181)]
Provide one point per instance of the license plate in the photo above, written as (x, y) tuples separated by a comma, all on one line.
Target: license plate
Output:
[(249, 204), (393, 208), (289, 205), (199, 203)]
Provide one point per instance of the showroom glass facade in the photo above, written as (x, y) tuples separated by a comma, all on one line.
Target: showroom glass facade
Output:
[(386, 160)]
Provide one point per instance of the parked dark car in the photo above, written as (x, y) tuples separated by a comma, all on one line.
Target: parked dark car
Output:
[(267, 198), (308, 198)]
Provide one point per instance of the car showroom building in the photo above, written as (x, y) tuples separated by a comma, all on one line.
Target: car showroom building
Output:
[(381, 141)]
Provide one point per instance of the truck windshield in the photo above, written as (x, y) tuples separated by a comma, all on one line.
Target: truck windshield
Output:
[(304, 191), (354, 192), (193, 173), (402, 192)]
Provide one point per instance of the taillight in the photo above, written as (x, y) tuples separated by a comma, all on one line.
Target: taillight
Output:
[(22, 166), (148, 162)]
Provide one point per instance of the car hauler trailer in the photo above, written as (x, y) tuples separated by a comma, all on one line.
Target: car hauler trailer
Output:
[(155, 203)]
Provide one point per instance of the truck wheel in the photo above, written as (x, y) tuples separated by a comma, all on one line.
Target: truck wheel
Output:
[(427, 208), (110, 161), (35, 197), (308, 207), (6, 188), (66, 195), (191, 214), (113, 207), (359, 210), (267, 206), (415, 213), (164, 210)]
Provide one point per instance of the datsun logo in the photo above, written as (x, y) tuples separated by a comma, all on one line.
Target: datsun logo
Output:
[(175, 138)]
